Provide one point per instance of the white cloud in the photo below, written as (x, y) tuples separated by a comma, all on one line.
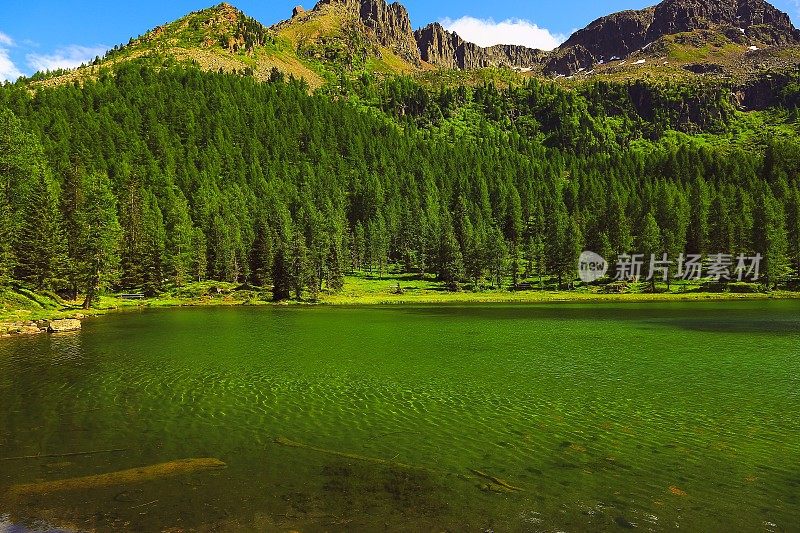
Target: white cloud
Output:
[(8, 70), (487, 32), (68, 57)]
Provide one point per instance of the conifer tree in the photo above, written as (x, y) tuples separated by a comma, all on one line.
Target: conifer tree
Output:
[(154, 238), (335, 275), (770, 236), (450, 263), (557, 250), (618, 228), (6, 252), (299, 268), (572, 248), (793, 227), (496, 256), (199, 256), (650, 244), (100, 234), (721, 234), (39, 249), (475, 258), (697, 241), (180, 232), (281, 274), (261, 255)]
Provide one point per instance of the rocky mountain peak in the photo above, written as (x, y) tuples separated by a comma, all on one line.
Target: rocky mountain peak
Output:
[(675, 16), (389, 24), (446, 49), (620, 34), (392, 27)]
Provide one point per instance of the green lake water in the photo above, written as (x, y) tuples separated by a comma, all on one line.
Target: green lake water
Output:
[(607, 417)]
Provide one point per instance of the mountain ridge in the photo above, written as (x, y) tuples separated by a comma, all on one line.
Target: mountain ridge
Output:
[(675, 38), (620, 34)]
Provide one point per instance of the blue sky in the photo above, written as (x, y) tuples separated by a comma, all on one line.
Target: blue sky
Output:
[(49, 34)]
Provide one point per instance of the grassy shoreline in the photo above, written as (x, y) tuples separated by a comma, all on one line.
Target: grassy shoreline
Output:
[(20, 309)]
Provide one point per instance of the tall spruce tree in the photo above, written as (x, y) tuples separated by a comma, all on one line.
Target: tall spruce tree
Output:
[(793, 227), (99, 239), (299, 266), (650, 244), (261, 255), (40, 249), (6, 252), (770, 236)]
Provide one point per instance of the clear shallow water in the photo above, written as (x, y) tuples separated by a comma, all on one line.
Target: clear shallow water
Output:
[(657, 416)]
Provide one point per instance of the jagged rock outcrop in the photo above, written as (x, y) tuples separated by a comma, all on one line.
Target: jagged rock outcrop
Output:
[(620, 34), (517, 56), (446, 49), (616, 35), (761, 92), (675, 16), (298, 10), (392, 27), (570, 59), (388, 23), (439, 47)]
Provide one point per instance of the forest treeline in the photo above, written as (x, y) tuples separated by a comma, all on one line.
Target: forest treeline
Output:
[(158, 175)]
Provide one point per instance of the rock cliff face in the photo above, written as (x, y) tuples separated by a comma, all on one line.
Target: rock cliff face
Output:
[(389, 24), (675, 16), (616, 35), (392, 27), (444, 49), (517, 56), (620, 34), (437, 46)]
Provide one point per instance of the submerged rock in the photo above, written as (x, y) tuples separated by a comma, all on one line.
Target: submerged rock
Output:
[(59, 326)]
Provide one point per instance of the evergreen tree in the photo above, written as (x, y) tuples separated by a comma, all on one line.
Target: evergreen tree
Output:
[(650, 243), (770, 236), (358, 248), (450, 264), (154, 238), (697, 241), (557, 246), (335, 275), (475, 258), (100, 234), (497, 256), (721, 227), (793, 227), (72, 201), (6, 252), (178, 254), (572, 248), (281, 275), (379, 245), (618, 228), (299, 267), (199, 257), (261, 255), (606, 250), (40, 247)]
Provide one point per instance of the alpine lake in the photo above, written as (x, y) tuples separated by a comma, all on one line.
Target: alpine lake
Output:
[(551, 417)]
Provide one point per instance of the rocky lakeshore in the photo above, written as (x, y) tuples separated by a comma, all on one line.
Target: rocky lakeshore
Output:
[(36, 327)]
